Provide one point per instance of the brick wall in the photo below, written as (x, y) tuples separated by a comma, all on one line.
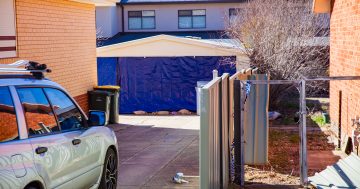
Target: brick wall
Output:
[(345, 61), (82, 100), (61, 34)]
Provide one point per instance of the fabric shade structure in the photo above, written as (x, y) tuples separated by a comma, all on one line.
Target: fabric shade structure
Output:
[(161, 72)]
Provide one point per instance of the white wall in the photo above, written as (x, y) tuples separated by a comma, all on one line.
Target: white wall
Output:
[(108, 20), (166, 16)]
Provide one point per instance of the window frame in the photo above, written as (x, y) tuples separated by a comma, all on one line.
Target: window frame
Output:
[(141, 18), (16, 116), (12, 38), (84, 120), (51, 106), (192, 18)]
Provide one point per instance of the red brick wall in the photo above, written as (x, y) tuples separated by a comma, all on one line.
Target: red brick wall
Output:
[(61, 34), (82, 100), (345, 61)]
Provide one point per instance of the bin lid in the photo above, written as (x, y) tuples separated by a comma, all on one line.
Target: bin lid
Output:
[(109, 87), (100, 92)]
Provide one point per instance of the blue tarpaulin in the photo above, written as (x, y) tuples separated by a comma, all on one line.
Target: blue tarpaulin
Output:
[(107, 71), (159, 83)]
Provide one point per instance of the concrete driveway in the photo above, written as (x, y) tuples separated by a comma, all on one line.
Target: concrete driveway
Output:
[(152, 149)]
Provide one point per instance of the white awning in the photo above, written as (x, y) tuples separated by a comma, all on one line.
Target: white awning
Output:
[(170, 46)]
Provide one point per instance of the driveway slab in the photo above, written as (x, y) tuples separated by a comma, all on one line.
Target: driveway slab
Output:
[(152, 149)]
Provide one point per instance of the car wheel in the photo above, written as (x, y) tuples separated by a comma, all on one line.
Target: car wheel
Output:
[(31, 187), (109, 175)]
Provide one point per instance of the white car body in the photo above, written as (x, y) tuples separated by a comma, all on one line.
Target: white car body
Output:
[(64, 164)]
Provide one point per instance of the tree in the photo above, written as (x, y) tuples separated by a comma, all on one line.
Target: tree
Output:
[(100, 38), (284, 39)]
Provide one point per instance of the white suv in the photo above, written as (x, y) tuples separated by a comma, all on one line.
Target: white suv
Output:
[(46, 140)]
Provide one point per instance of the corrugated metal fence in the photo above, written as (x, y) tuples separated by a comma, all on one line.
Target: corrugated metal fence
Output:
[(220, 132), (210, 123)]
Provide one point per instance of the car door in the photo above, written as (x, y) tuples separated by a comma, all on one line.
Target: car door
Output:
[(16, 163), (87, 145), (52, 150)]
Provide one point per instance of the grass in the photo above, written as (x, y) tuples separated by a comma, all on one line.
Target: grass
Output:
[(318, 119)]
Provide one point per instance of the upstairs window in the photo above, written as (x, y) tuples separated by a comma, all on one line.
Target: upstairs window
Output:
[(139, 20), (189, 19), (7, 29)]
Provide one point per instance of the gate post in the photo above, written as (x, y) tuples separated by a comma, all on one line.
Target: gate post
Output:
[(302, 131), (239, 133), (205, 142), (237, 140)]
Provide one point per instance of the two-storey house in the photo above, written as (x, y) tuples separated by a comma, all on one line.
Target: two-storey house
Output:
[(159, 16)]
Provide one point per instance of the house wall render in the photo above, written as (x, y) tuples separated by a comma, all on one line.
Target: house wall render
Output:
[(166, 17)]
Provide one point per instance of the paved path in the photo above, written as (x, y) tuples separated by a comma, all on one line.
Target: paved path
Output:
[(152, 149)]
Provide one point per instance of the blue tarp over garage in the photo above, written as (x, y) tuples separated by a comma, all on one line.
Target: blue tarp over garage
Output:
[(159, 83)]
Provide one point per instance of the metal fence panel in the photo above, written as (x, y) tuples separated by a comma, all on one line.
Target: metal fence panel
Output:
[(225, 129), (231, 105), (220, 100), (256, 128), (235, 132), (210, 132)]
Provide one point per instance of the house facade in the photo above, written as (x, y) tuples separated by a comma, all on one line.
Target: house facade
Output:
[(344, 61), (59, 33), (130, 16)]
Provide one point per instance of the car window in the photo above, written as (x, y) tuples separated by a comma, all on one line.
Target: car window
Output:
[(8, 124), (68, 115), (38, 113)]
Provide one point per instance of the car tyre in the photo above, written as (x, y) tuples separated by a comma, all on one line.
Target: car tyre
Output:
[(31, 187), (109, 174)]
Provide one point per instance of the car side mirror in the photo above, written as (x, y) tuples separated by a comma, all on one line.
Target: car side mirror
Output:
[(97, 118)]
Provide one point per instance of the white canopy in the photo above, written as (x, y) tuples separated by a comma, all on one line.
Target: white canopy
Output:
[(172, 46)]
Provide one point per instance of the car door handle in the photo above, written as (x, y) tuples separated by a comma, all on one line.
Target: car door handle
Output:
[(76, 141), (41, 150)]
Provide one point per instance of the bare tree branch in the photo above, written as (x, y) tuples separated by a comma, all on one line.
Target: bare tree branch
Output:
[(285, 39)]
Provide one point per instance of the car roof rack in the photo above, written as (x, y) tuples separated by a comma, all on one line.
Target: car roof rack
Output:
[(34, 68)]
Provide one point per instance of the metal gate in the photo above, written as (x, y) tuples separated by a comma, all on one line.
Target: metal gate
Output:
[(233, 116)]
